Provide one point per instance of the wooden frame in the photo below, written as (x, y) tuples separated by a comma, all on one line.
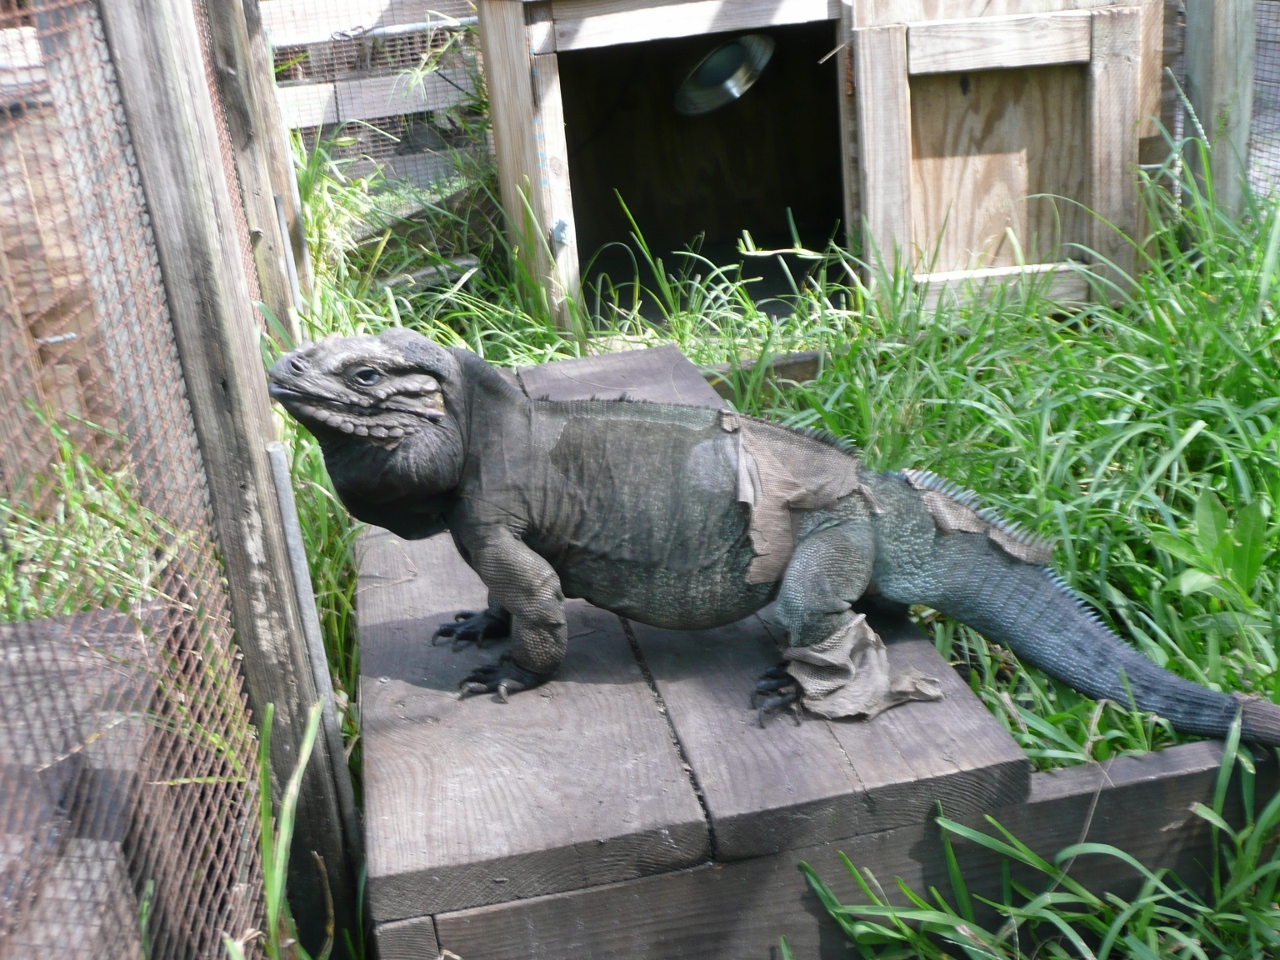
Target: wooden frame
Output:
[(886, 56), (883, 45)]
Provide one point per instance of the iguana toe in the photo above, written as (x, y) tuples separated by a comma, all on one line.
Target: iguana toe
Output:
[(503, 678), (471, 627), (775, 691)]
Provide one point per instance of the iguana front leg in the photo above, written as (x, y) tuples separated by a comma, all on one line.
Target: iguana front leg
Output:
[(470, 626), (526, 586)]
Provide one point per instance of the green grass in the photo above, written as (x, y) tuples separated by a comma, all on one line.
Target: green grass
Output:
[(1054, 916), (77, 538)]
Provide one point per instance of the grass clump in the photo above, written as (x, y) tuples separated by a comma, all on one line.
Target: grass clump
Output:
[(1051, 915)]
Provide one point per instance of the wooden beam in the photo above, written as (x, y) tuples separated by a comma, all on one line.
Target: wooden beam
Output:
[(884, 123), (1220, 54), (878, 13), (1052, 281), (509, 79), (245, 91), (1114, 77), (850, 172), (551, 149), (581, 24), (160, 69), (279, 153), (293, 23), (739, 910), (314, 104), (994, 43), (1151, 81)]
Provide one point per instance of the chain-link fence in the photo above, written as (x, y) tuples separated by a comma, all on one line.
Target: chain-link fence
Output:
[(128, 801), (388, 85)]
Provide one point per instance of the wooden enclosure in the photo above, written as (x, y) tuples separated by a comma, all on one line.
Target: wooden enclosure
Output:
[(970, 139)]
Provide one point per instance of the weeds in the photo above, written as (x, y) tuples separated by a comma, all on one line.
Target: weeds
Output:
[(1057, 917)]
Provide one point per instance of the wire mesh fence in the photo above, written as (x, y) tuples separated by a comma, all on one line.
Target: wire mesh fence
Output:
[(389, 86), (128, 807), (1264, 139)]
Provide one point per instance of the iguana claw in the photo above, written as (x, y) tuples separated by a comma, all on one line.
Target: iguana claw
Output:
[(472, 627), (776, 690), (503, 678)]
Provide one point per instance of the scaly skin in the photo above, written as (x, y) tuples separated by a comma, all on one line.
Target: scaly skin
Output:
[(639, 508)]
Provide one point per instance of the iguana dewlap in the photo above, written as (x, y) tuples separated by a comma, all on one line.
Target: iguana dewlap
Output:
[(685, 518)]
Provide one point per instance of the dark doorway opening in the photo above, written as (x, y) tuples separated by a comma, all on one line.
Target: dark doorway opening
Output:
[(703, 179)]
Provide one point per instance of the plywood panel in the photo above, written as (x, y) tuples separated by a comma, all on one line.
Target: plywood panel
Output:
[(991, 43), (984, 146)]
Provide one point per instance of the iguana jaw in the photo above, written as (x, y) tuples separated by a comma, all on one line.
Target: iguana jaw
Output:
[(392, 419)]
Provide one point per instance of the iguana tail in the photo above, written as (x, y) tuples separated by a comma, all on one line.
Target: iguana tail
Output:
[(1030, 610)]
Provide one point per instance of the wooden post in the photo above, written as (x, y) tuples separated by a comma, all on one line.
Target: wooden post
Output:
[(529, 139), (160, 70), (1220, 52), (1114, 101), (273, 138), (244, 93), (884, 123)]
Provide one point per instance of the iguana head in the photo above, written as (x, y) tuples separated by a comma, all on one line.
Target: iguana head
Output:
[(385, 410), (384, 388)]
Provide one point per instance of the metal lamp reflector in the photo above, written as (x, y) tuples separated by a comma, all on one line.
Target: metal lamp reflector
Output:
[(723, 75)]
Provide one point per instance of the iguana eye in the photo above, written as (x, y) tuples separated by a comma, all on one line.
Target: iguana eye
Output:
[(365, 376)]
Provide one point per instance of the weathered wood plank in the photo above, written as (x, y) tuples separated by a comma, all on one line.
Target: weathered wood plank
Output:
[(551, 150), (766, 790), (582, 24), (848, 122), (1054, 281), (875, 13), (1151, 80), (884, 123), (1220, 51), (472, 801), (992, 43), (1114, 78), (737, 911), (788, 786), (301, 22), (953, 752), (159, 66), (413, 939), (246, 92), (279, 154), (313, 104), (504, 44), (659, 374)]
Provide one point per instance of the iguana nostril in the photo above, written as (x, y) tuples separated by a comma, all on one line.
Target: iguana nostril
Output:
[(298, 364)]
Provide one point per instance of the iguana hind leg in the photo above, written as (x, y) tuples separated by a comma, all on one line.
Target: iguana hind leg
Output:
[(828, 571)]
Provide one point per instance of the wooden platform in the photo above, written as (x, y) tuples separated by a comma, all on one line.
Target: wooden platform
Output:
[(633, 808)]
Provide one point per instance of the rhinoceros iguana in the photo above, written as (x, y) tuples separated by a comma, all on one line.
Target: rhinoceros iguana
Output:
[(686, 518)]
